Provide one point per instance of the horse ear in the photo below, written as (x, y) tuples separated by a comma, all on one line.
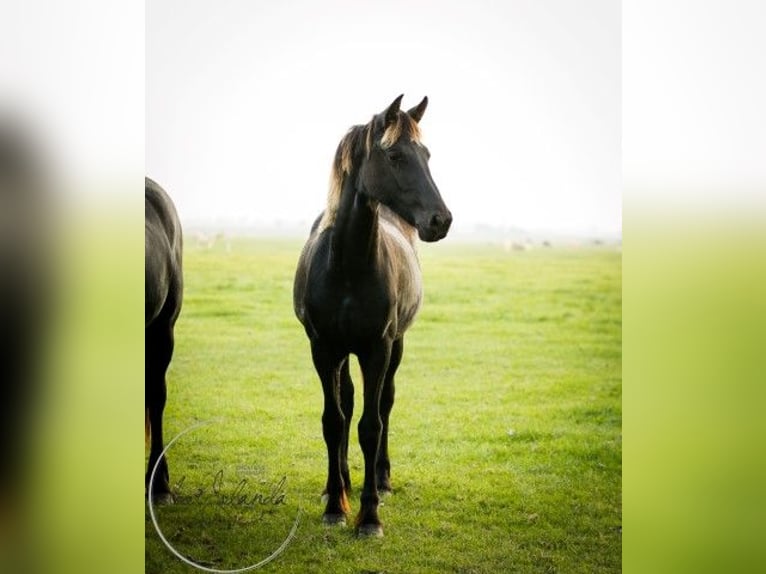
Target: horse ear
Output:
[(417, 112), (392, 111)]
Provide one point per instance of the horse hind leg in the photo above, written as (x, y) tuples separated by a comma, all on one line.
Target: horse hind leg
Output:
[(383, 465), (347, 406), (158, 352)]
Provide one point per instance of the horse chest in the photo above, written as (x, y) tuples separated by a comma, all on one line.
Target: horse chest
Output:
[(354, 303), (352, 311)]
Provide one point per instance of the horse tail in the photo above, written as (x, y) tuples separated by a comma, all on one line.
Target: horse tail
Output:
[(147, 428)]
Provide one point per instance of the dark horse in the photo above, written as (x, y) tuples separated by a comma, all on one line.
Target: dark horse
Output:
[(358, 287), (28, 303), (163, 281)]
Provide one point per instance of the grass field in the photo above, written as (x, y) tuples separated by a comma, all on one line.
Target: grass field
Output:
[(505, 437)]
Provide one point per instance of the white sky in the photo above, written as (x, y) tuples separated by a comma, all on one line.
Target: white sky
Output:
[(246, 102)]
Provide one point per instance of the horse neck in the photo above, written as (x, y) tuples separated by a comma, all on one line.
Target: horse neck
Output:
[(355, 234)]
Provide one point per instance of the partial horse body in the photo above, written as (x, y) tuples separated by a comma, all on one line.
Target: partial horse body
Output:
[(358, 288), (28, 302), (163, 293)]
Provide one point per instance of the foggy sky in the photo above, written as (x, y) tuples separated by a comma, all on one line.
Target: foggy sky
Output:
[(246, 102)]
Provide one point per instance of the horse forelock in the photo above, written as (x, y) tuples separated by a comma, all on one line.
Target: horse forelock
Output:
[(404, 126)]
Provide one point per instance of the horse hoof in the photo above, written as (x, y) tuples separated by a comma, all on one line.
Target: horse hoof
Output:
[(163, 498), (370, 531), (334, 519)]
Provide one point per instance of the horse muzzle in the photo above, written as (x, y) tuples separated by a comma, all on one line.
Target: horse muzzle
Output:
[(436, 227)]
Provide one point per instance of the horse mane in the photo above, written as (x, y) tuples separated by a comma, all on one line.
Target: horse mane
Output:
[(359, 139), (407, 231)]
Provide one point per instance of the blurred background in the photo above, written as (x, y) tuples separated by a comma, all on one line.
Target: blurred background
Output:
[(71, 167), (99, 99)]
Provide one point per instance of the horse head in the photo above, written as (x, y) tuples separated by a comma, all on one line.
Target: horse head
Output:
[(395, 171)]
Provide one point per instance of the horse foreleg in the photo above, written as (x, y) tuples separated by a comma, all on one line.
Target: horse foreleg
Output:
[(328, 368), (383, 466), (374, 365)]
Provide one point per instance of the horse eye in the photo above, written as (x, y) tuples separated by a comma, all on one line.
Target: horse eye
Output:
[(395, 156)]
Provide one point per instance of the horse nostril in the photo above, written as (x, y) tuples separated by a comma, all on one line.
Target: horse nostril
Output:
[(441, 221)]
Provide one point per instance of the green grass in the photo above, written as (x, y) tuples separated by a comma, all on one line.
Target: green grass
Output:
[(505, 437)]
